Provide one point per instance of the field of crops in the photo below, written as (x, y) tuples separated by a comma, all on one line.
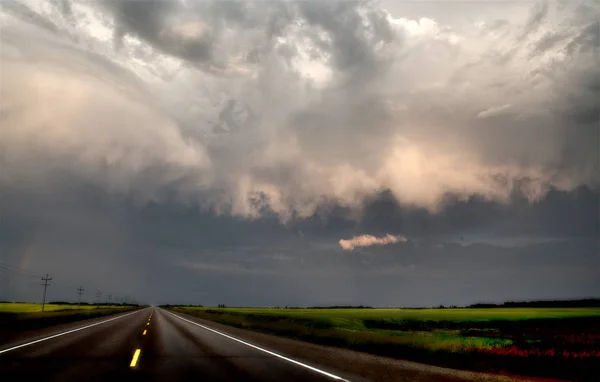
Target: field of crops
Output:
[(550, 342), (19, 307), (354, 316), (18, 317)]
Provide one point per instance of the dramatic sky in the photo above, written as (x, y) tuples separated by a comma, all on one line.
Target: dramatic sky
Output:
[(300, 152)]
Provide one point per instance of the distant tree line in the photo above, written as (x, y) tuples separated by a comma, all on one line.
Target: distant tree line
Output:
[(332, 307), (583, 303), (181, 305)]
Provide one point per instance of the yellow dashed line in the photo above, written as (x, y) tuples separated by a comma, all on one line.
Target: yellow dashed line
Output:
[(135, 357), (143, 334)]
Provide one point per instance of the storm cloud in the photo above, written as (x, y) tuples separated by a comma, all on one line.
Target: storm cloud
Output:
[(197, 131), (247, 108)]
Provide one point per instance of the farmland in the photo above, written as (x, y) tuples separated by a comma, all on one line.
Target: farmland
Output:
[(545, 342), (16, 318), (20, 307)]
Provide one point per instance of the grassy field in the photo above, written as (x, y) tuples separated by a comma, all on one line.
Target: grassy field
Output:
[(354, 317), (18, 317), (19, 307), (547, 342)]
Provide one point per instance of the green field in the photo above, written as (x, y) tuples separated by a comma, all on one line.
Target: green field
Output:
[(353, 318), (490, 339), (18, 317), (18, 307), (451, 329)]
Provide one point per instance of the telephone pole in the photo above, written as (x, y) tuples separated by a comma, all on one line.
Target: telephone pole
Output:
[(98, 295), (45, 284), (79, 292)]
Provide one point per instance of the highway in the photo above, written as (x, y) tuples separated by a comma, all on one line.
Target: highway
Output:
[(149, 345), (153, 344)]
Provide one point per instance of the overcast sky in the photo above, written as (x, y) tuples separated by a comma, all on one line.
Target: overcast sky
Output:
[(300, 153)]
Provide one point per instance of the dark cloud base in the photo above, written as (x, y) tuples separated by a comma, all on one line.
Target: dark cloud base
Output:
[(167, 253)]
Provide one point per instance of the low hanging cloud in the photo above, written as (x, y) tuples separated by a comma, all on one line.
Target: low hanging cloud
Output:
[(259, 108), (369, 240)]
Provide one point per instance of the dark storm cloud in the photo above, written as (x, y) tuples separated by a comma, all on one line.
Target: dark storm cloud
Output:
[(166, 253), (558, 214), (148, 19), (325, 102), (352, 41), (191, 30), (220, 154)]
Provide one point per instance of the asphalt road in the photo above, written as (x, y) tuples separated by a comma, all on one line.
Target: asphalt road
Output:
[(170, 349), (156, 345)]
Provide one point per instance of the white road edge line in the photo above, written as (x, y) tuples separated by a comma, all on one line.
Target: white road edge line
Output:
[(63, 333), (263, 350)]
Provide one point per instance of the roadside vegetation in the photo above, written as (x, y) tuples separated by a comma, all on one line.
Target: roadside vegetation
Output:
[(553, 342), (18, 317), (23, 307)]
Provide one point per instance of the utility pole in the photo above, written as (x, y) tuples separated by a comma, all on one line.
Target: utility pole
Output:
[(45, 284), (109, 298), (98, 295), (79, 292)]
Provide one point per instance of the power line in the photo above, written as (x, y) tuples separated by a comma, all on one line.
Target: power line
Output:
[(18, 271), (45, 284), (13, 268), (8, 273), (7, 270)]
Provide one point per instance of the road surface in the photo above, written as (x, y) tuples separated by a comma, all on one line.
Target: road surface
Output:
[(153, 344), (170, 349)]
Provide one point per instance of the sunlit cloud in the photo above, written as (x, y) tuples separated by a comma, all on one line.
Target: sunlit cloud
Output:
[(370, 240)]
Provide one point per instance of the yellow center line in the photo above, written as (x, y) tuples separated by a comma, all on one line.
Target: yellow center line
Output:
[(143, 334), (135, 358)]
